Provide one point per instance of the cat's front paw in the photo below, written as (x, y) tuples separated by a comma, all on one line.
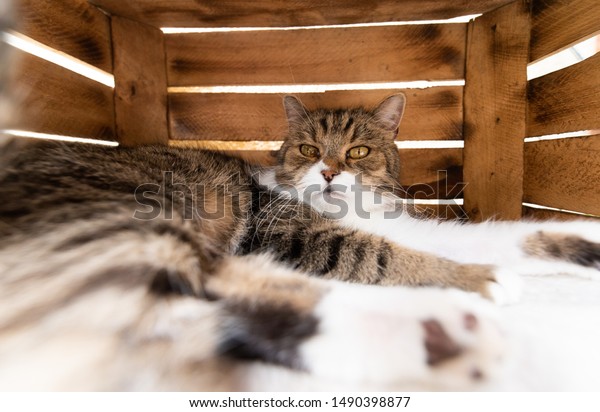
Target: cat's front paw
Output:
[(425, 338), (500, 285)]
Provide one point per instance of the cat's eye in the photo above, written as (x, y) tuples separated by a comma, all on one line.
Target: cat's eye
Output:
[(309, 151), (358, 152)]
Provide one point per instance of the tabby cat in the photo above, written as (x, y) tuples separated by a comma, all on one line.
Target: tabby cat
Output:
[(160, 268), (334, 173)]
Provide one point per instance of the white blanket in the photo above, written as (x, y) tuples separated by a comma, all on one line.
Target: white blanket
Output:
[(554, 332)]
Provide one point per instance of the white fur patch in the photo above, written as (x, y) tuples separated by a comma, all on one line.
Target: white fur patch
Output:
[(348, 200), (508, 287), (373, 334)]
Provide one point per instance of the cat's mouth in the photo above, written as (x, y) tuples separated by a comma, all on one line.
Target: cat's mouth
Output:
[(330, 191)]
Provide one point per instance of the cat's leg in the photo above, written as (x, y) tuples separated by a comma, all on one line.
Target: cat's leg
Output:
[(528, 248), (524, 247), (328, 250), (424, 338), (494, 243), (556, 250)]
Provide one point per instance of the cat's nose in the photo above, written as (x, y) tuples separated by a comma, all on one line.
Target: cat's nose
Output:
[(329, 174)]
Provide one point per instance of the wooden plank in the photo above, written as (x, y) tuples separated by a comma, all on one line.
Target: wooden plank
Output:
[(443, 212), (424, 174), (51, 99), (6, 54), (566, 100), (269, 13), (495, 112), (140, 83), (557, 24), (72, 26), (255, 157), (534, 214), (432, 173), (369, 54), (564, 174), (431, 114)]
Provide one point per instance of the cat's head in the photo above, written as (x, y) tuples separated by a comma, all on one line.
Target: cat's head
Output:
[(330, 152)]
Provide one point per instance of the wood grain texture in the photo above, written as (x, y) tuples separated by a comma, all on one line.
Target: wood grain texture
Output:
[(495, 112), (566, 100), (443, 212), (557, 24), (337, 55), (431, 114), (140, 83), (564, 174), (272, 13), (74, 27), (533, 214), (432, 173), (54, 100), (424, 173)]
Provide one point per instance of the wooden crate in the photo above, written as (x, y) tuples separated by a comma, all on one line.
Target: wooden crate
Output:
[(201, 88)]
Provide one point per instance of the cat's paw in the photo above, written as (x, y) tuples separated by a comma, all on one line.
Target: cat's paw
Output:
[(579, 249), (424, 338), (506, 288)]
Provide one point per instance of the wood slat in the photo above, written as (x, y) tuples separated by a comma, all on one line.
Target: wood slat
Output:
[(432, 173), (495, 112), (443, 212), (431, 114), (255, 157), (557, 24), (54, 100), (530, 213), (564, 174), (140, 83), (72, 26), (339, 55), (566, 100), (269, 13), (424, 174)]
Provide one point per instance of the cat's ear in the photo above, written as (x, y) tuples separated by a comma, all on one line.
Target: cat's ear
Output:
[(294, 110), (389, 112)]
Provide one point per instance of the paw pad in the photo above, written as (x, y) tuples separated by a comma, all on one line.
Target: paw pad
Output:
[(470, 321), (439, 345)]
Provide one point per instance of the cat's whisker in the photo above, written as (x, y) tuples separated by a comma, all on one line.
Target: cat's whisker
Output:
[(266, 214), (277, 219)]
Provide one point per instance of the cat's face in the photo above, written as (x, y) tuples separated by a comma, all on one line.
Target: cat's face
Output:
[(332, 154)]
